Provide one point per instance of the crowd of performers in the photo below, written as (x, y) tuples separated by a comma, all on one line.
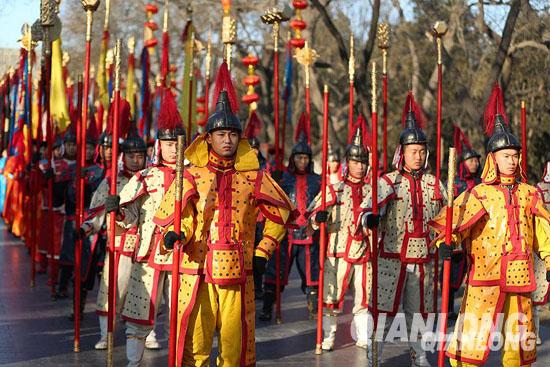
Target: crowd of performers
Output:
[(238, 210), (243, 220)]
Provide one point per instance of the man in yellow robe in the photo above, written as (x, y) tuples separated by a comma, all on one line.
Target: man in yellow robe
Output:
[(502, 222), (224, 191)]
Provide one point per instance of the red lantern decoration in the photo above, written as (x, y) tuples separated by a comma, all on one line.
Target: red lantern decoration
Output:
[(298, 24)]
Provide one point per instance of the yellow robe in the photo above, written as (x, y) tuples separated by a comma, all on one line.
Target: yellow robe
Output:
[(501, 229), (221, 202)]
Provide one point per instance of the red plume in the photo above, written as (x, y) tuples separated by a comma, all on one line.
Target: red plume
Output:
[(92, 132), (302, 128), (253, 127), (495, 106), (169, 116), (124, 119), (411, 105), (223, 82), (361, 122)]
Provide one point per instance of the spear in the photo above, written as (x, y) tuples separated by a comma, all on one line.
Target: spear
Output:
[(384, 45), (176, 252), (322, 225), (523, 139), (229, 31), (275, 17), (89, 6), (351, 73), (374, 231), (447, 262), (439, 29), (112, 215), (208, 62)]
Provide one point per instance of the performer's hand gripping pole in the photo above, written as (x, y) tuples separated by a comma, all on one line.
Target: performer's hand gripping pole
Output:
[(374, 231), (172, 351), (112, 215), (447, 263), (322, 226)]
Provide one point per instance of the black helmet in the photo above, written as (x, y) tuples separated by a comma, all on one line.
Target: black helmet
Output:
[(301, 147), (57, 142), (134, 144), (412, 134), (356, 151), (254, 142), (223, 118), (70, 136), (106, 139), (170, 134), (469, 153), (333, 154), (502, 137)]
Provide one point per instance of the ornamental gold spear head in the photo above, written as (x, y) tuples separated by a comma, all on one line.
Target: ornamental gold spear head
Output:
[(274, 15), (306, 56), (66, 58), (439, 28), (351, 63), (229, 30), (109, 57), (383, 35), (131, 44), (90, 5), (26, 37)]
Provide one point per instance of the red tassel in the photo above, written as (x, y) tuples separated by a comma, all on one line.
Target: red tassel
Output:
[(223, 82), (302, 127), (124, 118), (494, 106), (411, 105), (165, 56), (253, 127), (169, 116), (92, 131)]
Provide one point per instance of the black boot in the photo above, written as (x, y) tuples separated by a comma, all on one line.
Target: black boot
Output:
[(267, 309)]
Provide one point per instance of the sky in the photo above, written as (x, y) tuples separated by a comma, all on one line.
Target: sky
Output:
[(13, 13)]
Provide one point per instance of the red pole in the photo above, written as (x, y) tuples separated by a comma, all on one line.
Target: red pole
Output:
[(523, 139), (385, 121), (172, 348), (206, 93), (447, 263), (322, 226), (283, 133), (374, 234), (112, 215), (308, 106), (81, 162), (31, 187)]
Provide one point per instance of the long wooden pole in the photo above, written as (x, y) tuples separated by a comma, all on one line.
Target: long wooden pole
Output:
[(81, 139), (323, 225), (172, 351), (112, 215), (374, 231), (447, 262)]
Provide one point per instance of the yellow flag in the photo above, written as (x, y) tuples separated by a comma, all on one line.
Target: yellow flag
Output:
[(58, 98), (102, 77)]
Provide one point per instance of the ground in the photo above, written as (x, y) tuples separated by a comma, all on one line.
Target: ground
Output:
[(36, 331)]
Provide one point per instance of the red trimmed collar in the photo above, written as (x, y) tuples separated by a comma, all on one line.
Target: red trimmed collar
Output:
[(220, 163)]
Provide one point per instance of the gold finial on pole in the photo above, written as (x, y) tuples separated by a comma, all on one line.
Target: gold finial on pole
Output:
[(306, 56), (165, 19), (118, 47), (275, 17), (438, 30), (107, 13), (373, 85), (383, 36), (351, 62), (208, 59), (89, 6), (131, 44)]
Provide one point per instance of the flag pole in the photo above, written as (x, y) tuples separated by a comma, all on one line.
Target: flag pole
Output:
[(322, 225), (384, 45), (180, 168), (112, 215), (89, 6), (374, 231), (447, 262)]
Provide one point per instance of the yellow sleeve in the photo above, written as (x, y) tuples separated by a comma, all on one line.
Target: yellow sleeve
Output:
[(542, 239), (273, 234)]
